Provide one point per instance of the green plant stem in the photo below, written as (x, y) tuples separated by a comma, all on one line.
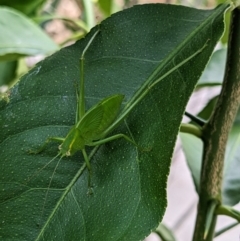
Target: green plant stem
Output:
[(165, 233), (201, 122), (228, 211), (191, 129), (78, 23), (225, 229), (215, 132), (88, 13)]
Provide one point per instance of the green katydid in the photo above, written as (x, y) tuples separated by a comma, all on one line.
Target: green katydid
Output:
[(92, 127)]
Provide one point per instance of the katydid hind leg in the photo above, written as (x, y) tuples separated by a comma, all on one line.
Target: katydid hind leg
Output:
[(86, 158), (151, 83)]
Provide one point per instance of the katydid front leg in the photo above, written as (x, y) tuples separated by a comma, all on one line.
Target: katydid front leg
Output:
[(57, 139)]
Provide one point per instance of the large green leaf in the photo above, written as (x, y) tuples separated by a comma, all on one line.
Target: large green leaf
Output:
[(28, 7), (20, 36), (129, 193)]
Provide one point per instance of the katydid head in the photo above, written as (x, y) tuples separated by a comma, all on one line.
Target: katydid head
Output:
[(72, 143)]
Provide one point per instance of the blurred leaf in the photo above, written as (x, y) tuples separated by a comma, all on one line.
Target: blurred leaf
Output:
[(21, 37), (129, 183), (192, 147), (7, 72), (206, 112), (108, 7), (231, 183), (214, 72), (77, 22), (165, 233), (27, 7)]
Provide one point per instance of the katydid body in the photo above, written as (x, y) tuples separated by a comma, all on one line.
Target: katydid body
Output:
[(89, 131), (92, 127)]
